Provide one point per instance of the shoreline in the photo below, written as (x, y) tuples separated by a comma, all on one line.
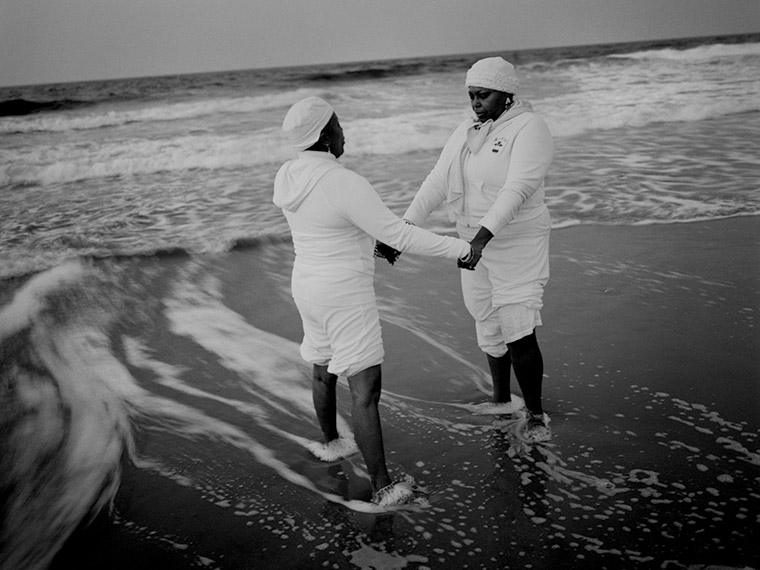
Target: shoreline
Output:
[(651, 380)]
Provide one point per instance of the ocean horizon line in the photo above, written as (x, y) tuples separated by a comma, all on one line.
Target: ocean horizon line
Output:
[(605, 48)]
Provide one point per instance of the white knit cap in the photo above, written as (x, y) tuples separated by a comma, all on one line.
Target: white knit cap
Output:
[(305, 120), (493, 73)]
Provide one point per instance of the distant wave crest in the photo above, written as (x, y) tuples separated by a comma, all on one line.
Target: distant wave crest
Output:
[(566, 116), (704, 52), (58, 122), (19, 107)]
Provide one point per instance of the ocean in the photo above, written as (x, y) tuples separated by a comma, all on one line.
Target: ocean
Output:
[(646, 133), (149, 347)]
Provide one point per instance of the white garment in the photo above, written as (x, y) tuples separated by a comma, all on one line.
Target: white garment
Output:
[(505, 292), (345, 339), (503, 174), (492, 175), (335, 216)]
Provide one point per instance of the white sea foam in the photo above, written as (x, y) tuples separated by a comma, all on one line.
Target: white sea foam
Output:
[(270, 366), (699, 53), (69, 162), (29, 301), (66, 425), (567, 115), (651, 87)]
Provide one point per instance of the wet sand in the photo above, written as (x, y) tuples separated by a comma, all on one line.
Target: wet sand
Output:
[(652, 381)]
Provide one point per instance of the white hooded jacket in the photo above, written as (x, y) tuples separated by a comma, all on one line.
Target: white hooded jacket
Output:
[(493, 174), (335, 216)]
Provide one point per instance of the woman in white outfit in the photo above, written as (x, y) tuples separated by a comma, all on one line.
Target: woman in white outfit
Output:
[(490, 175), (335, 216)]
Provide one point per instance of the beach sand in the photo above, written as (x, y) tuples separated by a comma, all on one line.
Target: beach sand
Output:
[(652, 383)]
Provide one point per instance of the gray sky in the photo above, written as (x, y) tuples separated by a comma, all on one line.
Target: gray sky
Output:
[(44, 41)]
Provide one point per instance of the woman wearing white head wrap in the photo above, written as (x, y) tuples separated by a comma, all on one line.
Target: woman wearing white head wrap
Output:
[(490, 175), (305, 120), (335, 216)]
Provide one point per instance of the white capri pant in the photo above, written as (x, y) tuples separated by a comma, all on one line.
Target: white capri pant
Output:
[(504, 294), (346, 339)]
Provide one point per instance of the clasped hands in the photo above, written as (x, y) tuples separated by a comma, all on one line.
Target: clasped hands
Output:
[(471, 259), (468, 262), (477, 244)]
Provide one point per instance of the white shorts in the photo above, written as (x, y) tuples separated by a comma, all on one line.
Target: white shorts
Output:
[(506, 324), (504, 294), (346, 339)]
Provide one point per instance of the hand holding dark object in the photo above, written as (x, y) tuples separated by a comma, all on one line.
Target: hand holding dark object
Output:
[(386, 252)]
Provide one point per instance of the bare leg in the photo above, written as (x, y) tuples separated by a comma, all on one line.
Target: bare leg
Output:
[(323, 395), (528, 364), (500, 376), (365, 393)]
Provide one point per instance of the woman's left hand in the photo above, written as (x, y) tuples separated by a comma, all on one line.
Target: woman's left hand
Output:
[(477, 244)]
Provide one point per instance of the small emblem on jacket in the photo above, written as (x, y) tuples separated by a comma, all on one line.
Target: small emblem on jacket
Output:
[(498, 144)]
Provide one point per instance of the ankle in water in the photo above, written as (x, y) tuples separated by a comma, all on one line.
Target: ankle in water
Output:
[(537, 427), (397, 493), (334, 450), (494, 408)]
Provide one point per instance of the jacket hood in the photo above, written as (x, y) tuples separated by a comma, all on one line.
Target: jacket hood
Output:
[(477, 132), (297, 178), (519, 107)]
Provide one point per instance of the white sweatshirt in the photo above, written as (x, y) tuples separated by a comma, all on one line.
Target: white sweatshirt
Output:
[(335, 216), (504, 177)]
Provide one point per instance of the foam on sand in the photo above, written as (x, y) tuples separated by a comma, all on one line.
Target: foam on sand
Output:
[(333, 450)]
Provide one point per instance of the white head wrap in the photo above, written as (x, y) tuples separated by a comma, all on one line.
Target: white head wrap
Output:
[(305, 120), (493, 73)]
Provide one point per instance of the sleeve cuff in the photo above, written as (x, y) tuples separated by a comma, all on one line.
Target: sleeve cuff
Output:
[(488, 224)]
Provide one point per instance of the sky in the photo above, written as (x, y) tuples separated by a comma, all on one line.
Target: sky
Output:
[(49, 41)]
